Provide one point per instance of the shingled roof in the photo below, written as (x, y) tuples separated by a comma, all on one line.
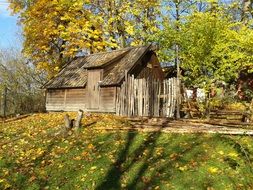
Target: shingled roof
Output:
[(74, 74)]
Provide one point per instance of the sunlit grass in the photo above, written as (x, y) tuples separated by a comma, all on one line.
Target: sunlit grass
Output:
[(33, 157)]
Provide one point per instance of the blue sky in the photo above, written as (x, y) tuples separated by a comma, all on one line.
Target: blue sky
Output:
[(10, 32)]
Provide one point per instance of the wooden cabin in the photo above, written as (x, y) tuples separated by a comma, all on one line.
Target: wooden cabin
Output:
[(91, 82)]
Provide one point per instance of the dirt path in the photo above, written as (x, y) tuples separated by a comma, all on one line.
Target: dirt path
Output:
[(183, 126)]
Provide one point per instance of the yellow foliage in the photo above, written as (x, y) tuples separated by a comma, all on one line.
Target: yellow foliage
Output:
[(55, 31), (233, 154), (183, 168), (213, 170), (91, 147), (235, 106)]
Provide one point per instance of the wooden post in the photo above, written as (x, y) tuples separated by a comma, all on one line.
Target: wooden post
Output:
[(126, 94), (178, 83), (158, 98), (78, 119), (173, 97), (67, 122)]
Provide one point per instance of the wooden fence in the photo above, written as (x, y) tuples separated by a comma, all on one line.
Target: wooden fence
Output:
[(147, 97)]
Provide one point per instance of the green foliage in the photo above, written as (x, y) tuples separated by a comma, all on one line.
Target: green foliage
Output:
[(215, 38), (212, 48)]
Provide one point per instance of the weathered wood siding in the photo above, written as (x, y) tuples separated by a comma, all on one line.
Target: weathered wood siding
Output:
[(148, 67), (66, 99), (75, 99), (145, 73), (108, 99), (55, 100)]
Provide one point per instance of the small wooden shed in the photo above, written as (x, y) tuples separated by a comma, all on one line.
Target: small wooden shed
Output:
[(91, 82)]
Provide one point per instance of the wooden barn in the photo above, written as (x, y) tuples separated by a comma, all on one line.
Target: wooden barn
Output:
[(91, 82)]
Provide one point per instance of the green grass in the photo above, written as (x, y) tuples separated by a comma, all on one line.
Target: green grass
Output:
[(97, 159)]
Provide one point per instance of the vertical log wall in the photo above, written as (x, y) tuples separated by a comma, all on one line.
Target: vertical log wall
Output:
[(147, 97)]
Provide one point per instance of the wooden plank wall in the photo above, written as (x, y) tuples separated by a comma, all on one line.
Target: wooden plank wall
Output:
[(66, 99), (75, 99), (55, 100), (146, 72), (147, 97), (107, 99)]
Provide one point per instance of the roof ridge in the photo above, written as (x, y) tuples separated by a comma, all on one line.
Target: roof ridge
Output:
[(76, 66), (114, 59), (121, 49)]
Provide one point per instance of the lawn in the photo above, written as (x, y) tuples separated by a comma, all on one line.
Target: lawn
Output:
[(32, 156)]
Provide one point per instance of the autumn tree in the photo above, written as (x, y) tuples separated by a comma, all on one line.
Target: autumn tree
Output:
[(55, 31), (246, 13), (129, 22), (58, 30), (20, 83)]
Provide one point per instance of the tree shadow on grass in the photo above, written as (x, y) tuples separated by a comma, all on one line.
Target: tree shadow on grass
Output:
[(141, 159), (112, 179), (149, 144), (117, 170)]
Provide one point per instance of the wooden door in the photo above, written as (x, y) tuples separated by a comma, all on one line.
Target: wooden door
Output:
[(94, 76)]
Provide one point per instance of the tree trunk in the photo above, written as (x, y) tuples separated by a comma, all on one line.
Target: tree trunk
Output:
[(207, 106), (177, 3), (188, 105), (246, 10)]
